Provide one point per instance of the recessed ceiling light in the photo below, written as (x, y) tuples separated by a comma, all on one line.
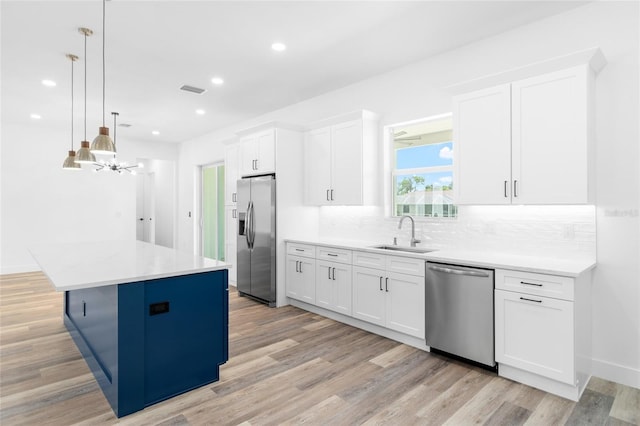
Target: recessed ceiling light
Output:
[(279, 47), (217, 81), (200, 111), (155, 132), (36, 116), (49, 83)]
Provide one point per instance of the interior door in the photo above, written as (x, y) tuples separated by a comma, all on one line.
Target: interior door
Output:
[(145, 207)]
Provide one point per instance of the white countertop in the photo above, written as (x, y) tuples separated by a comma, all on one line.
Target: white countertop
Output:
[(72, 266), (483, 259)]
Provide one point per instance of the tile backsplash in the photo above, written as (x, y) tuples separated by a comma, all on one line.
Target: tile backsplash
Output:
[(551, 231)]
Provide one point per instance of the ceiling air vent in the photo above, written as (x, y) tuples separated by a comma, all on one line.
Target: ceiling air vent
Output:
[(192, 89)]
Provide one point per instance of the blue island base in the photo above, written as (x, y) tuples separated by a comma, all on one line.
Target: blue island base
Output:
[(151, 340)]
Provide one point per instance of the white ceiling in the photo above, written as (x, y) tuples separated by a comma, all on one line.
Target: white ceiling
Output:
[(154, 47)]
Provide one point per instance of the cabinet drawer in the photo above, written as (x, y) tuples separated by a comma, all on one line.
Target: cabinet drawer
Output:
[(406, 265), (304, 250), (369, 260), (334, 254), (539, 284)]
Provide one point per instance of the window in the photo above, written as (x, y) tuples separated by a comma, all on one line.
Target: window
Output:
[(422, 169)]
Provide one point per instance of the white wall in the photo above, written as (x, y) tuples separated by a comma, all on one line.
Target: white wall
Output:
[(43, 203), (417, 91)]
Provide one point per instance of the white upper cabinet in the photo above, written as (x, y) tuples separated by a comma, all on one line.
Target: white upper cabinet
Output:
[(482, 150), (258, 153), (231, 164), (550, 145), (526, 142), (341, 160)]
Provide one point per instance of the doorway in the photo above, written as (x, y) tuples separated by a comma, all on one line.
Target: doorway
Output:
[(213, 212), (156, 202), (145, 208)]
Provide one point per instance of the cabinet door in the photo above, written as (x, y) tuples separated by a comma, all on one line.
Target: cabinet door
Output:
[(324, 285), (549, 118), (231, 166), (482, 146), (300, 275), (248, 155), (266, 152), (317, 175), (535, 334), (369, 295), (342, 276), (333, 286), (346, 163), (405, 303)]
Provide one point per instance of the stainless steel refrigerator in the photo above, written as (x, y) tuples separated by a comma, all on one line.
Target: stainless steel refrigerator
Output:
[(256, 261)]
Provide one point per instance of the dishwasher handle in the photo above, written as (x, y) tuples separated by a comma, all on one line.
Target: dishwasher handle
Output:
[(458, 271)]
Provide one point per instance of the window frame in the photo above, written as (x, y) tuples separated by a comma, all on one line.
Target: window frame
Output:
[(391, 172)]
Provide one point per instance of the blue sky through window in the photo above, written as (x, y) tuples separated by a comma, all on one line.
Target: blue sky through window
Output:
[(431, 155), (413, 157)]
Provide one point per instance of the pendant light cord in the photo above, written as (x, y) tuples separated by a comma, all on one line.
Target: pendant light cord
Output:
[(103, 59), (85, 86), (72, 103)]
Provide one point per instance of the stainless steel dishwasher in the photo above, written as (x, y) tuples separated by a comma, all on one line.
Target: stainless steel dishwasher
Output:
[(459, 311)]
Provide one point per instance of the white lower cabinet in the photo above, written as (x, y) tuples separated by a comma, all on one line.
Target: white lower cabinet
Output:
[(535, 333), (543, 329), (405, 303), (333, 286), (390, 299), (368, 295), (301, 278)]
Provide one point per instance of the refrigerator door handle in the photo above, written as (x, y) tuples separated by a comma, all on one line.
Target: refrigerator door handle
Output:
[(252, 225), (248, 224)]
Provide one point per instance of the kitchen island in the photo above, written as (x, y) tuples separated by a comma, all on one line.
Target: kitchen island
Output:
[(151, 322)]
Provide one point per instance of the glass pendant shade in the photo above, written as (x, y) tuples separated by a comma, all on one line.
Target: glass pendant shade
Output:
[(103, 144), (70, 163), (84, 156)]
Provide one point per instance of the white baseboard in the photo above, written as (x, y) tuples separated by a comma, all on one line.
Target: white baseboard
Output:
[(19, 269), (616, 373)]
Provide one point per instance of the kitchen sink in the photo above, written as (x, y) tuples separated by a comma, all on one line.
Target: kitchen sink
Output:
[(401, 248)]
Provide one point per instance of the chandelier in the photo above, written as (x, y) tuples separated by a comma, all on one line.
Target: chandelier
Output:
[(112, 164)]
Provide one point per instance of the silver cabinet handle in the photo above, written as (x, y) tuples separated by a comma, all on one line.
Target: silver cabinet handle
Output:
[(505, 189), (386, 284), (458, 271), (515, 188), (328, 273), (526, 283), (531, 300), (334, 274), (328, 195), (300, 266), (332, 195), (332, 255), (297, 261), (380, 283), (234, 213), (257, 165), (234, 197), (299, 249)]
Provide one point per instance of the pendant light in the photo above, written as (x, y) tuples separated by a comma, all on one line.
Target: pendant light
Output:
[(84, 155), (114, 165), (69, 162), (103, 144)]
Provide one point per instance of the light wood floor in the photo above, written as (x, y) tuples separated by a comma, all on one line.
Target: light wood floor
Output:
[(286, 366)]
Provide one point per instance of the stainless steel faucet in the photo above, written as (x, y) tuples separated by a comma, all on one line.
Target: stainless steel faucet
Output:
[(413, 229)]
